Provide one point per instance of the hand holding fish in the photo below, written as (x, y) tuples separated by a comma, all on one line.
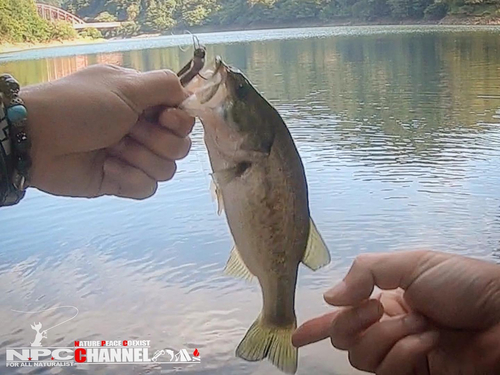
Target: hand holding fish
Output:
[(106, 130), (438, 314)]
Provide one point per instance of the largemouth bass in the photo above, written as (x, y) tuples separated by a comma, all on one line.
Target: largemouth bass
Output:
[(261, 185)]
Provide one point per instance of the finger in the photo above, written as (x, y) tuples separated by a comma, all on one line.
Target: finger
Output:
[(160, 87), (123, 180), (406, 355), (314, 330), (177, 121), (161, 141), (394, 303), (387, 271), (376, 342), (348, 326), (422, 366), (138, 156)]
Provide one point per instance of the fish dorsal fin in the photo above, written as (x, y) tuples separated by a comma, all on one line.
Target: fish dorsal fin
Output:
[(236, 267), (217, 195), (317, 254)]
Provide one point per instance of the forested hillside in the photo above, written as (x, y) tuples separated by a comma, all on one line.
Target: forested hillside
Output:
[(19, 21), (159, 15)]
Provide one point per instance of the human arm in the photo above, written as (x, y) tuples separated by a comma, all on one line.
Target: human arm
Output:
[(438, 313), (91, 135)]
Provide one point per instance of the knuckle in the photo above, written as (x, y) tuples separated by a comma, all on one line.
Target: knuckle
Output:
[(172, 147), (189, 124), (362, 260), (338, 341), (335, 343), (341, 330), (170, 76), (172, 79), (162, 143), (386, 371), (404, 348), (147, 191), (128, 83), (152, 189), (167, 172), (356, 360), (178, 121), (184, 148), (109, 68), (391, 329), (359, 360), (172, 171)]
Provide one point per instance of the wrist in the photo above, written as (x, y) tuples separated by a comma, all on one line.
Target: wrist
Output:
[(14, 146), (34, 107)]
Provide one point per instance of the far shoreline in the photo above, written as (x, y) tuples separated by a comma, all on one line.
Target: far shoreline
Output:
[(18, 47), (447, 21)]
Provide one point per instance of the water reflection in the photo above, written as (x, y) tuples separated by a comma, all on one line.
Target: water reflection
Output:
[(399, 133)]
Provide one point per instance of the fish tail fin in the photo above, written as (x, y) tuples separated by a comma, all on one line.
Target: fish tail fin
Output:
[(273, 342)]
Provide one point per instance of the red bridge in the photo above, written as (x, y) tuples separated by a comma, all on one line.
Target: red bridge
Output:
[(51, 13)]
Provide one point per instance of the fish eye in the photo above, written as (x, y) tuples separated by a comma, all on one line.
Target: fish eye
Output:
[(242, 90)]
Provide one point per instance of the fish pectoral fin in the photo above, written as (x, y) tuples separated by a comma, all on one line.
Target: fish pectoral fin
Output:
[(217, 195), (317, 254), (225, 176), (275, 343), (236, 267)]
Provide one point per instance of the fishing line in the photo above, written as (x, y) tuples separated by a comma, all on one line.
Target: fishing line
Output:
[(180, 47), (196, 41), (52, 308)]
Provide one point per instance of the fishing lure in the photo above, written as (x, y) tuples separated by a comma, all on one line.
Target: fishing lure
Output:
[(195, 65)]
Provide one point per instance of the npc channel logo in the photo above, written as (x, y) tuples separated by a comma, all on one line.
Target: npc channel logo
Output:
[(94, 352)]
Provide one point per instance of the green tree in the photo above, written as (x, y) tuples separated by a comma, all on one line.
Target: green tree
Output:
[(105, 17), (436, 11), (133, 11), (196, 12), (20, 22), (298, 9), (158, 15), (400, 9), (56, 3)]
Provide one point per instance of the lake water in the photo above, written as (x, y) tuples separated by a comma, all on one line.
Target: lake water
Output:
[(399, 130)]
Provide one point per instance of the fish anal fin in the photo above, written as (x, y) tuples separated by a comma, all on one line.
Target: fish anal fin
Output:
[(274, 343), (236, 267), (317, 254)]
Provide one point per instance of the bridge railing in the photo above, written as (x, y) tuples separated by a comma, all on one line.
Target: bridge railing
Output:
[(52, 13)]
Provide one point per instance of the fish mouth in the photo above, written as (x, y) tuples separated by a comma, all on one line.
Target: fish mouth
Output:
[(210, 90), (216, 80), (222, 68), (219, 64)]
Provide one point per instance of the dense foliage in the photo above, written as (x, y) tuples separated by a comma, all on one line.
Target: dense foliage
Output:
[(162, 15), (19, 21)]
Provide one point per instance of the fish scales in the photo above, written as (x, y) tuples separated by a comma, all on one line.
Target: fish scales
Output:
[(260, 183)]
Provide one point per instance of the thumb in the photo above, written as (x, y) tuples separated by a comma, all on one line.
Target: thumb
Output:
[(155, 88), (386, 271)]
